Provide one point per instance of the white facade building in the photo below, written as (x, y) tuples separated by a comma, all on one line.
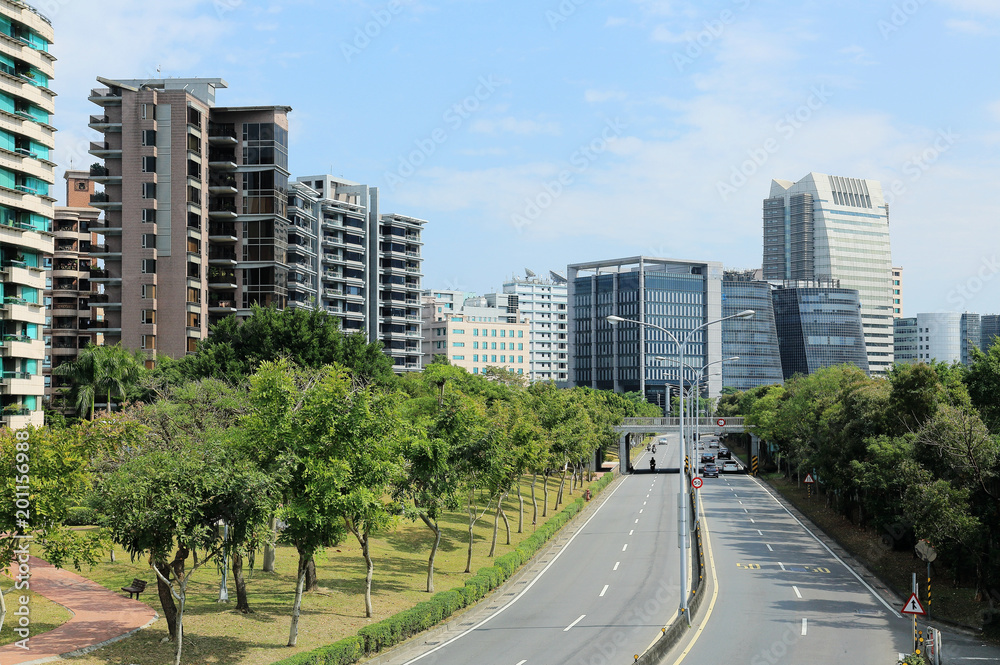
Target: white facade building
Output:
[(947, 337), (543, 302)]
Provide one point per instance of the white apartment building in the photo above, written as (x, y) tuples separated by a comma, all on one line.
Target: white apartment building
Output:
[(543, 302), (473, 335)]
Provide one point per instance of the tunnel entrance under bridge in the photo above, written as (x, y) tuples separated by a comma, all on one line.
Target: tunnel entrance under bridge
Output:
[(631, 427)]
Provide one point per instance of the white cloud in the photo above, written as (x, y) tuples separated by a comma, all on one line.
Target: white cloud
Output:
[(967, 26), (597, 96), (858, 54), (987, 7)]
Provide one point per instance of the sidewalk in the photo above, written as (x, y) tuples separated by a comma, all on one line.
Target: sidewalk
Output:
[(99, 616)]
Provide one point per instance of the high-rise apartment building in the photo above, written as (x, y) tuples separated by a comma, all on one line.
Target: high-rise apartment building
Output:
[(475, 335), (195, 225), (947, 337), (827, 227), (897, 292), (989, 330), (27, 103), (819, 325), (677, 295), (369, 264), (73, 312), (543, 302), (753, 341)]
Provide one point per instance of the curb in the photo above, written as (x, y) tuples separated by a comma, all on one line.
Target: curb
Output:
[(93, 647)]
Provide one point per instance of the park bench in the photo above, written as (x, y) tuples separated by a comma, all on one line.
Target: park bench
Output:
[(137, 587)]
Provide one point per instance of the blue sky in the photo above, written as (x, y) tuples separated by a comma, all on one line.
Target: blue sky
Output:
[(536, 134)]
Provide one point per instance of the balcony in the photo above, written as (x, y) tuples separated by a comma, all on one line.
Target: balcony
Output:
[(225, 307), (103, 123), (219, 279), (99, 174), (217, 211), (222, 133), (220, 257), (103, 201), (104, 150), (106, 96), (222, 232), (104, 327), (223, 186)]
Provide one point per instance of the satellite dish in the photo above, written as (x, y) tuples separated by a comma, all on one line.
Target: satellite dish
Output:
[(529, 273), (557, 277)]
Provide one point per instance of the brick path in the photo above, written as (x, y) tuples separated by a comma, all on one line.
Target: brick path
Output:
[(99, 616)]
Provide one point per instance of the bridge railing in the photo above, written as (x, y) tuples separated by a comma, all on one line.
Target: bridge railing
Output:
[(706, 424)]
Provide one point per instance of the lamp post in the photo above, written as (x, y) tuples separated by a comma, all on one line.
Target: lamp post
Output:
[(682, 534)]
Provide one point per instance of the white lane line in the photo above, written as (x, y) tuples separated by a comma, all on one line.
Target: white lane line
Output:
[(581, 619), (751, 519), (804, 624), (636, 520), (644, 503), (782, 565), (640, 511), (522, 662), (631, 532), (796, 590), (745, 510), (624, 547), (604, 590), (527, 586), (759, 532), (769, 548), (737, 496), (741, 503), (616, 565)]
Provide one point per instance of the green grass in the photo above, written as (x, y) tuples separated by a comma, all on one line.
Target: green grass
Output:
[(215, 633), (44, 614)]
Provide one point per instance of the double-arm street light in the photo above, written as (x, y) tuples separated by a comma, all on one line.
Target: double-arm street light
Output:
[(682, 534)]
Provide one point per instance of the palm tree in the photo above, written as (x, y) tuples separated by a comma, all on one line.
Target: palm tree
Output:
[(101, 369)]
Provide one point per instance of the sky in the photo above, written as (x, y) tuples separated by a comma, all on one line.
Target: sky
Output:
[(539, 133)]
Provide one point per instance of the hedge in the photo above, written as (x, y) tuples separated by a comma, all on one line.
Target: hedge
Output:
[(399, 627), (81, 516)]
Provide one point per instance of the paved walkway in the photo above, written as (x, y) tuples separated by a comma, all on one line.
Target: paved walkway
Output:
[(99, 616)]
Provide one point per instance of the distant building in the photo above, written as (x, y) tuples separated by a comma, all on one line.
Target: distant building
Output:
[(678, 295), (819, 325), (947, 337), (754, 341), (905, 339), (989, 325), (827, 227), (897, 292), (543, 303), (474, 335)]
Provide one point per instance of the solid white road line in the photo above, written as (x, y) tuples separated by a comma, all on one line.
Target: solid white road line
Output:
[(796, 590), (604, 591), (616, 565), (581, 619), (804, 625)]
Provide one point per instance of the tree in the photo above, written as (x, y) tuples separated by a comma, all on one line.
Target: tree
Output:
[(983, 381), (164, 501), (101, 370)]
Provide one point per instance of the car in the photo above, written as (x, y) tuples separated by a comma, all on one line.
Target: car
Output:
[(707, 458), (713, 444), (710, 471), (724, 453), (730, 467)]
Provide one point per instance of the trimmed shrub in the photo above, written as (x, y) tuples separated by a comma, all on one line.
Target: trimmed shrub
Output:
[(344, 652), (81, 516)]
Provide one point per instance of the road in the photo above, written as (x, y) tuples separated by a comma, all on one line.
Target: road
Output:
[(606, 596), (782, 596)]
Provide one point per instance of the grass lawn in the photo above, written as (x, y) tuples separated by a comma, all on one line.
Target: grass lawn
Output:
[(215, 633), (45, 615)]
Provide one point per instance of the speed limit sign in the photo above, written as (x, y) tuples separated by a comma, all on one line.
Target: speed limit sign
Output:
[(697, 483), (721, 422)]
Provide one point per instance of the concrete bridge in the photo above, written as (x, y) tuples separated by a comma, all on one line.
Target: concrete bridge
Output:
[(717, 425)]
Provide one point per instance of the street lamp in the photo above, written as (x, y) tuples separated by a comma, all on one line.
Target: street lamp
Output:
[(682, 535)]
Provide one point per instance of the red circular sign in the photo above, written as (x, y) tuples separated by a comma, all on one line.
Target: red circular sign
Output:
[(697, 483), (721, 422)]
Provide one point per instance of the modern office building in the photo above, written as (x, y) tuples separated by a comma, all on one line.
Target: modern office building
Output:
[(475, 335), (989, 325), (677, 295), (753, 341), (905, 339), (947, 337), (819, 325), (897, 292), (72, 308), (827, 227), (27, 137), (370, 264), (194, 199), (543, 301)]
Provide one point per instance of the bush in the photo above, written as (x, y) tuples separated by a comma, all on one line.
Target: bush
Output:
[(81, 516), (344, 652)]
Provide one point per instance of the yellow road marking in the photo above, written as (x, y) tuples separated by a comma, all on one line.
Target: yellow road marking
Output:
[(715, 588)]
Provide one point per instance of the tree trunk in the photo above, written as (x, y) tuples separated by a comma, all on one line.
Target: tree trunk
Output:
[(472, 523), (293, 633), (251, 558), (534, 502), (370, 570), (182, 583), (520, 512), (272, 527), (166, 599), (242, 605), (496, 528), (312, 582), (545, 494), (434, 548), (506, 524), (112, 555), (562, 485)]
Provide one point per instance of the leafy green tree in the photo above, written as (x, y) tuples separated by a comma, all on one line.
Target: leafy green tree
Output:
[(983, 381), (101, 370)]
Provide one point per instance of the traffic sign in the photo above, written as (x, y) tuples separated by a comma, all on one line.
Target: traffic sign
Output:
[(913, 606), (809, 479), (721, 422), (697, 483), (925, 551)]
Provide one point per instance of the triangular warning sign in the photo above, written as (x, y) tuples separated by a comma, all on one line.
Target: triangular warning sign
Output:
[(913, 606), (809, 479)]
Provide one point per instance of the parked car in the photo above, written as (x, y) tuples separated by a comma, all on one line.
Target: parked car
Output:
[(710, 471), (730, 467)]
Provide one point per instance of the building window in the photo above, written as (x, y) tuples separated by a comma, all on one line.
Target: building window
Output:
[(475, 332), (475, 370), (520, 347), (475, 358), (149, 190), (458, 331), (458, 357), (475, 345), (148, 215), (493, 333), (149, 164), (458, 343), (149, 137), (149, 342), (520, 333), (148, 241), (148, 290), (149, 266), (494, 359)]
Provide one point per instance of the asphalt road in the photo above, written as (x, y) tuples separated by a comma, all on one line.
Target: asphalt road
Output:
[(604, 598), (782, 596)]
